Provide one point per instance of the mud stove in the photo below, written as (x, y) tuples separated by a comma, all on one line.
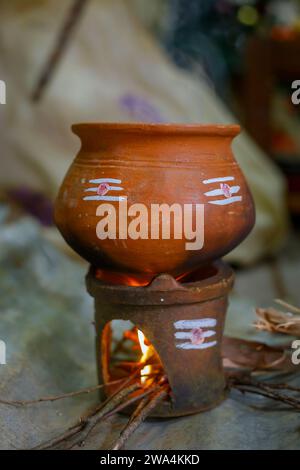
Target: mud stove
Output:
[(183, 323)]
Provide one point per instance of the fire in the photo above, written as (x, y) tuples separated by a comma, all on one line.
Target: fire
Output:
[(147, 353), (122, 279)]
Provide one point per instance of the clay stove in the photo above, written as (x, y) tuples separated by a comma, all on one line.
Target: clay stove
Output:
[(183, 321)]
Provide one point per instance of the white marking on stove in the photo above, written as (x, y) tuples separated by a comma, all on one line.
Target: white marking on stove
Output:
[(188, 334), (196, 346), (189, 324), (218, 180), (195, 336)]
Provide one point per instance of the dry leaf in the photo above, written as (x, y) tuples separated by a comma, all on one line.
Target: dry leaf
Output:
[(253, 355), (277, 321)]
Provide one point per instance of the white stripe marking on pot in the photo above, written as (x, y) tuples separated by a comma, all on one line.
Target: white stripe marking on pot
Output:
[(217, 180), (189, 334), (104, 198), (105, 180), (111, 188), (196, 346), (198, 323), (224, 202), (220, 192)]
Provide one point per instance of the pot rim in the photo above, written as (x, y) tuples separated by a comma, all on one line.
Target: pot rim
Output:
[(226, 130)]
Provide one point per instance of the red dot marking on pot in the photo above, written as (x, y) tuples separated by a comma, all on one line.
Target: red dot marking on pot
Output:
[(226, 189), (197, 336), (103, 188)]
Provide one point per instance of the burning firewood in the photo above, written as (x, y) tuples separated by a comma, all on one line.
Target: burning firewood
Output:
[(131, 335), (82, 429), (145, 385), (142, 411)]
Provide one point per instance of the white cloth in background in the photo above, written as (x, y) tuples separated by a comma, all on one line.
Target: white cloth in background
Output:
[(113, 71)]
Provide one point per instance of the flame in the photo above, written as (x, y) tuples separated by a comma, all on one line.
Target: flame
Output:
[(122, 279), (147, 353)]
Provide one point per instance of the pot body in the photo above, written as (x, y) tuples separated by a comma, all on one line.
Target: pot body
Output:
[(121, 165)]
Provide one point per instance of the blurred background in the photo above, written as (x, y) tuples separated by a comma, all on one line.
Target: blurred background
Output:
[(159, 61)]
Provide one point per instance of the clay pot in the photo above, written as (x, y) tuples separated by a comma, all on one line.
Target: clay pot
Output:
[(154, 164)]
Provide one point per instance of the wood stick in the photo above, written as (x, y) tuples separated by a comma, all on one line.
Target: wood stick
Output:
[(140, 415), (131, 335), (79, 427), (65, 436), (87, 421), (283, 386), (125, 365), (70, 394), (58, 397), (132, 400), (246, 380), (292, 401), (93, 420), (59, 48), (138, 409), (268, 393)]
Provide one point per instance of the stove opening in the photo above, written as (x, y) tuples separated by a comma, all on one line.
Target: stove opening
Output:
[(127, 352)]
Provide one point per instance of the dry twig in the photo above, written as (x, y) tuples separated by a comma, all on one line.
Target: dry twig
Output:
[(59, 48), (58, 397), (276, 321), (247, 385), (108, 406), (142, 411), (131, 400), (284, 386), (89, 419)]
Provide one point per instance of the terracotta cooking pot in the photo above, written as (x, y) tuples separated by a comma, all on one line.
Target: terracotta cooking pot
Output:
[(154, 164)]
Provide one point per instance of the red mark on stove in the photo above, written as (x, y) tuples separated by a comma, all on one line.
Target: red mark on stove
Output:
[(226, 189), (103, 188), (197, 336)]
